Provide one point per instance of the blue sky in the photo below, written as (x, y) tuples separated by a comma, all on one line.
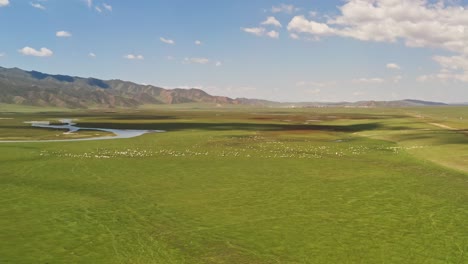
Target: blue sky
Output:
[(279, 50)]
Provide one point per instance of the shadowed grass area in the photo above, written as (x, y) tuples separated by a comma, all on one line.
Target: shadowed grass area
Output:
[(221, 187), (234, 126)]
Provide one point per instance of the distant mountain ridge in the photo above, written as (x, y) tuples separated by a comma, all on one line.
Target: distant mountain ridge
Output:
[(369, 104), (40, 89), (398, 103), (35, 88)]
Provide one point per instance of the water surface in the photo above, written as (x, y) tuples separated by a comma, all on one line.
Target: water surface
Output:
[(67, 124)]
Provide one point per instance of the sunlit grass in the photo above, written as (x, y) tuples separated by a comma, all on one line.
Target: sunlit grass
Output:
[(243, 186)]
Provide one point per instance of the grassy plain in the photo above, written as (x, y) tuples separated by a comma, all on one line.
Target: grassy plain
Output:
[(238, 186)]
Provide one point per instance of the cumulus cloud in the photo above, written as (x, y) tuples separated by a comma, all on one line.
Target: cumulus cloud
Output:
[(198, 42), (272, 21), (294, 36), (63, 34), (38, 6), (417, 23), (4, 3), (43, 52), (92, 55), (134, 57), (300, 24), (201, 60), (284, 8), (196, 60), (107, 7), (257, 31), (452, 68), (273, 34), (260, 31), (167, 41), (393, 66)]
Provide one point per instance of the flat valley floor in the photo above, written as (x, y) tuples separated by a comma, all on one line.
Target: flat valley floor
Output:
[(318, 185)]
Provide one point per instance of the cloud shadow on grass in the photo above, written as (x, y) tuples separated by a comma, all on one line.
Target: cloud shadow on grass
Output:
[(234, 126)]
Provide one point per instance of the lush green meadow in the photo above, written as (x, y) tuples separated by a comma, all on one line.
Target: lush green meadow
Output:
[(319, 185)]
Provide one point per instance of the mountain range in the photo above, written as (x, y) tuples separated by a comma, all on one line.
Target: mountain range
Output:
[(40, 89)]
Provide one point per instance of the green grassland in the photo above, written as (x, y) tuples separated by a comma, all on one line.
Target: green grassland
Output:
[(239, 185)]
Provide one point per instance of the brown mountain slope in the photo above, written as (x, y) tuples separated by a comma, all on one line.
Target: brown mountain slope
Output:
[(39, 89)]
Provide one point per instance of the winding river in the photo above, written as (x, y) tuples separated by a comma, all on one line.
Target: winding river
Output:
[(67, 124)]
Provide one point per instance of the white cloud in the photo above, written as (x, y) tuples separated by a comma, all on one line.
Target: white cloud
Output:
[(198, 42), (273, 34), (300, 24), (260, 31), (2, 54), (63, 34), (201, 60), (393, 66), (43, 52), (257, 31), (284, 8), (89, 3), (369, 81), (442, 76), (452, 68), (107, 7), (453, 62), (439, 24), (294, 36), (167, 41), (196, 60), (134, 57), (271, 21), (37, 5), (92, 55), (98, 9), (4, 3), (170, 58)]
